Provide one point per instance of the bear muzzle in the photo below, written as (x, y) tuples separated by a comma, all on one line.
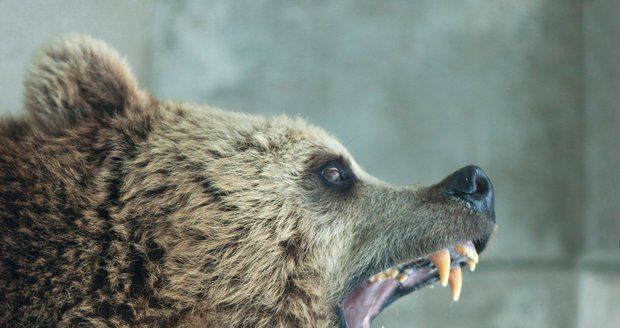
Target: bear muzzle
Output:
[(469, 188)]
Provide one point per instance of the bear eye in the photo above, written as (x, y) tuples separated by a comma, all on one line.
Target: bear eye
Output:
[(335, 175), (332, 174)]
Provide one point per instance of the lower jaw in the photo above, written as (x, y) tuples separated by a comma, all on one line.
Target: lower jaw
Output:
[(369, 297), (384, 293)]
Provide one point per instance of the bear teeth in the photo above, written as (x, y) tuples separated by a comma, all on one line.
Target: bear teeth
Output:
[(442, 261), (456, 282), (378, 277), (469, 251), (392, 273), (402, 278)]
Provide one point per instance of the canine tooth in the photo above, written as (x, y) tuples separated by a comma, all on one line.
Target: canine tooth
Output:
[(441, 260), (456, 282), (391, 273), (401, 278), (472, 265)]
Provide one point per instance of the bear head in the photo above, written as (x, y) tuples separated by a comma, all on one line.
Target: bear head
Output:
[(241, 220)]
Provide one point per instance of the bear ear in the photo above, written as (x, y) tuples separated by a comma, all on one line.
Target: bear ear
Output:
[(78, 78)]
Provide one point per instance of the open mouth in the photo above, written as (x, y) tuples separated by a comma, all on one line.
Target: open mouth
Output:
[(368, 298), (365, 300)]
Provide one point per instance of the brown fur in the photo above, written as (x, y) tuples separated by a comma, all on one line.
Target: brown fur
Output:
[(119, 210)]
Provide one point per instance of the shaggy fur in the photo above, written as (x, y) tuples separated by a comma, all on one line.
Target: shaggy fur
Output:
[(118, 210)]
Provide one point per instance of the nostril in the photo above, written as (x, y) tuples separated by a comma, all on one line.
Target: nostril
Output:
[(482, 185)]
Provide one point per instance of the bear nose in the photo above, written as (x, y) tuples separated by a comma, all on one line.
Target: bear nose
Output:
[(472, 185)]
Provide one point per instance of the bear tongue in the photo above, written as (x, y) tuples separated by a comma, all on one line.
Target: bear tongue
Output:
[(366, 301)]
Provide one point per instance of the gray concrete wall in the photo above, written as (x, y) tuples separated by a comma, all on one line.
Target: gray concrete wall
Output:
[(27, 25), (600, 276), (527, 89)]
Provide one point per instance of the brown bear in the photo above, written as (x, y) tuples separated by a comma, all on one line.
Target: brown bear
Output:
[(121, 210)]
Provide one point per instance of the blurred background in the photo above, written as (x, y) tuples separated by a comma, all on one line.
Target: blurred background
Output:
[(527, 89)]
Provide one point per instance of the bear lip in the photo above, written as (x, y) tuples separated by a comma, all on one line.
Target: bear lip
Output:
[(368, 298)]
